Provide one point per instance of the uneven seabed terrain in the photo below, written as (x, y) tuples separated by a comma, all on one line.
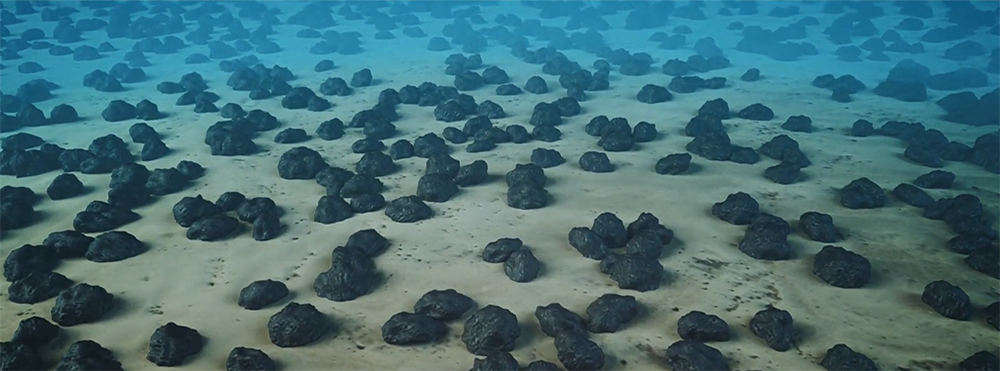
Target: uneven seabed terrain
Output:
[(499, 185)]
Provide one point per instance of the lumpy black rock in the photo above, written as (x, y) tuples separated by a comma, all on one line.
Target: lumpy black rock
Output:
[(489, 330), (170, 344), (297, 325)]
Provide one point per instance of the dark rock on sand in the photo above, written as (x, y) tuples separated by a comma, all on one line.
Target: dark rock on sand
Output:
[(63, 114), (68, 244), (694, 355), (522, 266), (82, 303), (170, 344), (375, 164), (444, 305), (37, 287), (86, 354), (756, 112), (842, 268), (368, 241), (633, 271), (912, 195), (766, 238), (936, 179), (166, 181), (862, 193), (330, 129), (266, 227), (651, 94), (153, 150), (701, 327), (556, 320), (114, 246), (362, 78), (300, 163), (489, 330), (436, 188), (985, 260), (499, 251), (27, 259), (408, 209), (576, 352), (610, 312), (546, 158), (190, 170), (673, 164), (367, 203), (324, 65), (332, 209), (242, 358), (412, 328), (190, 209), (21, 141), (35, 331), (64, 186), (231, 111), (142, 133), (738, 209), (101, 216), (819, 227), (297, 325), (351, 275), (948, 300), (842, 358), (775, 327), (212, 228), (590, 244), (118, 110), (260, 294), (230, 201), (596, 162), (291, 135)]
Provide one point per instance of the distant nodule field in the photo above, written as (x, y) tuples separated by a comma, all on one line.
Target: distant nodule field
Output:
[(500, 185)]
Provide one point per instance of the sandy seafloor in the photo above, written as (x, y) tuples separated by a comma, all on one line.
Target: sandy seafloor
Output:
[(196, 284)]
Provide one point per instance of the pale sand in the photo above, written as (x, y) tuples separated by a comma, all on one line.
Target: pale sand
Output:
[(196, 284)]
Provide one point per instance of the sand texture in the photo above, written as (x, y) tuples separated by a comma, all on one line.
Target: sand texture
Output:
[(196, 284)]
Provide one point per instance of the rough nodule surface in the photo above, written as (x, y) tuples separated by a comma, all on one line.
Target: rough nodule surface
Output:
[(556, 184)]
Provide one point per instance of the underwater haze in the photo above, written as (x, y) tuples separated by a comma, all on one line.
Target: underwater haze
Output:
[(502, 185)]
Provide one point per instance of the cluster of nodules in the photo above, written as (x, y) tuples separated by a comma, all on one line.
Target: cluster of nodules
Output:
[(234, 137), (629, 255), (19, 110), (132, 185), (19, 158), (931, 148), (208, 221), (262, 83), (965, 108), (617, 136), (909, 81), (30, 269), (526, 187), (320, 16), (519, 263), (712, 142), (194, 92), (766, 236), (766, 239), (772, 325), (111, 81), (964, 214), (352, 272), (442, 178), (492, 331)]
